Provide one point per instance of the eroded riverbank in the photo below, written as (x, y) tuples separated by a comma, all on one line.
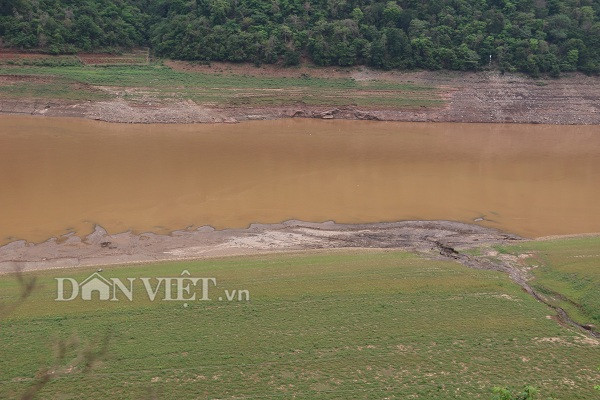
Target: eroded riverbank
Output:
[(102, 248), (432, 239), (190, 93)]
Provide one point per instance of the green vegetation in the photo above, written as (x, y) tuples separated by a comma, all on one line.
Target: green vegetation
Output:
[(345, 325), (530, 36), (568, 272), (47, 61), (163, 83), (59, 89), (505, 394)]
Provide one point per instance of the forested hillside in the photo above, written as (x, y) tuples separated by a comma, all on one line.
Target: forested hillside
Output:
[(533, 36)]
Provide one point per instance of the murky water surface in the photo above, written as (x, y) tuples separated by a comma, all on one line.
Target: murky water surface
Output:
[(62, 175)]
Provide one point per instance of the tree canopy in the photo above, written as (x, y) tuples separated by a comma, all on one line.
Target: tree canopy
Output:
[(532, 36)]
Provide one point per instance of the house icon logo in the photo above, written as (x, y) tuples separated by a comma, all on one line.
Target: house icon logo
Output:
[(94, 287), (95, 283)]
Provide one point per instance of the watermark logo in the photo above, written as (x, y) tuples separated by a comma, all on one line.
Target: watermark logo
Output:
[(184, 288)]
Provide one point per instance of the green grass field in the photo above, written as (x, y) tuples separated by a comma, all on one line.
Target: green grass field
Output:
[(165, 84), (346, 325), (61, 89), (568, 272)]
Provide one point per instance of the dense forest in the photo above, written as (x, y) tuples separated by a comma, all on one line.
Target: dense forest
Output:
[(533, 36)]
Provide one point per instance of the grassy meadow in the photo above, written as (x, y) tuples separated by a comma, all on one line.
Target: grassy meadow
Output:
[(160, 83), (343, 325), (566, 271)]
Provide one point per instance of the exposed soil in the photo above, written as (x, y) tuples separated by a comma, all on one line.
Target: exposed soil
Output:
[(434, 239), (18, 55), (102, 248), (469, 97), (136, 56)]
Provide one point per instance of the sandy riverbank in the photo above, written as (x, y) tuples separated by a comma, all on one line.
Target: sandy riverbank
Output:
[(102, 248)]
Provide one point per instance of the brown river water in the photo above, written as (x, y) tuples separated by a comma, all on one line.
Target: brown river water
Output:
[(59, 175)]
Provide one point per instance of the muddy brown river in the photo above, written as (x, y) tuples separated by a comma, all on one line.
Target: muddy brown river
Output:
[(60, 175)]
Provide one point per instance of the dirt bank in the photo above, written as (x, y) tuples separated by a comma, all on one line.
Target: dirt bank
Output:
[(467, 97), (433, 239), (102, 248)]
